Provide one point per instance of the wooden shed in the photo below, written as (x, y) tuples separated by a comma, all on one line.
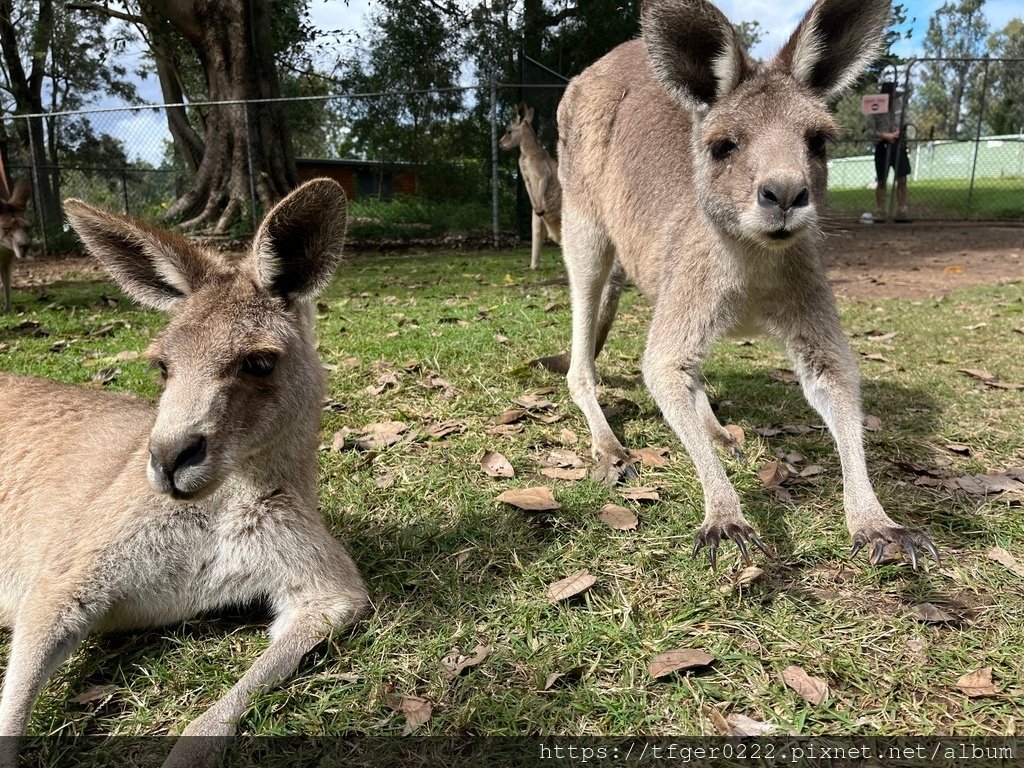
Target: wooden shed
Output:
[(363, 178)]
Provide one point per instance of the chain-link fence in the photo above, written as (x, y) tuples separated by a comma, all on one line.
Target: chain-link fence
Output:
[(960, 144), (426, 164)]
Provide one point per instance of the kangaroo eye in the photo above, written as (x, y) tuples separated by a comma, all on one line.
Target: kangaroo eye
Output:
[(722, 149), (817, 144), (259, 365)]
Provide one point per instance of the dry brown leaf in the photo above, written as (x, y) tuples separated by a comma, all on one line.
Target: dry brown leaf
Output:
[(380, 435), (1003, 557), (95, 693), (384, 381), (445, 428), (455, 664), (124, 357), (571, 586), (812, 470), (875, 336), (784, 375), (534, 402), (976, 373), (678, 660), (568, 437), (537, 499), (717, 720), (557, 473), (640, 493), (872, 423), (417, 711), (984, 485), (496, 465), (773, 474), (811, 689), (978, 683), (562, 457), (340, 437), (506, 429), (737, 725), (563, 679), (652, 457), (509, 416), (619, 518), (876, 357), (748, 575), (737, 433), (930, 613), (384, 481)]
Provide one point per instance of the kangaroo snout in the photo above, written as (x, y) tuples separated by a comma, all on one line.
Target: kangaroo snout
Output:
[(784, 194), (177, 464)]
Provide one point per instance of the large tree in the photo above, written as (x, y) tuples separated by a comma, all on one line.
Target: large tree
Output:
[(1005, 108)]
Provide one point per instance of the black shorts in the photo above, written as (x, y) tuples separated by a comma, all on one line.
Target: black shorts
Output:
[(898, 160)]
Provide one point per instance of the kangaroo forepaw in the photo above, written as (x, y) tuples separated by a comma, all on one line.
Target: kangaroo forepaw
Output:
[(711, 534), (906, 539)]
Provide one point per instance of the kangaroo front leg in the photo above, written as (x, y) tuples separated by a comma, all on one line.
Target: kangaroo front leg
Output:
[(5, 278), (45, 634), (828, 374), (295, 632), (670, 367)]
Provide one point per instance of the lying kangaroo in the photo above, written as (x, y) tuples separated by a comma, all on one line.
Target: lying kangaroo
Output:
[(540, 174), (116, 515), (702, 173), (13, 233)]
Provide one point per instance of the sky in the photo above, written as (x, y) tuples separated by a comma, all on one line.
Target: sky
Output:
[(144, 132)]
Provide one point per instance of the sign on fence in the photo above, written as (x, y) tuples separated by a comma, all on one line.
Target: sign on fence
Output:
[(874, 103)]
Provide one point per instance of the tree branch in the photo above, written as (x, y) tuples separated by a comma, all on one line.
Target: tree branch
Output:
[(104, 11)]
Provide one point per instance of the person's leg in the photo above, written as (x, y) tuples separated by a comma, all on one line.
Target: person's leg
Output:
[(881, 176)]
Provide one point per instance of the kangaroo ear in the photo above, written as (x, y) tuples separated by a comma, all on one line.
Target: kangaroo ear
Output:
[(833, 44), (299, 244), (693, 50), (20, 194), (155, 267), (528, 115)]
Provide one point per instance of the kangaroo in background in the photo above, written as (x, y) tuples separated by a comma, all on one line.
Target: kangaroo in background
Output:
[(115, 514), (13, 233), (540, 174), (702, 173)]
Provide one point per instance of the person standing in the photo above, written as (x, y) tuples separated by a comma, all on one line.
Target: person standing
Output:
[(890, 152)]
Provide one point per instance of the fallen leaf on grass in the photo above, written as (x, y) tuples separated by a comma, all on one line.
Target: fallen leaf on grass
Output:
[(455, 664), (380, 435), (652, 457), (640, 493), (748, 575), (538, 499), (738, 725), (384, 381), (30, 328), (384, 482), (872, 423), (568, 437), (417, 711), (877, 336), (784, 375), (737, 433), (930, 613), (506, 429), (773, 474), (558, 473), (563, 679), (959, 448), (95, 693), (1003, 557), (811, 689), (571, 586), (126, 356), (876, 357), (496, 465), (561, 457), (678, 660), (989, 379), (619, 518), (445, 428), (978, 683), (984, 485), (509, 416)]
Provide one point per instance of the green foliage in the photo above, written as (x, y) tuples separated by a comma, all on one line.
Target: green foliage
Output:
[(1005, 112)]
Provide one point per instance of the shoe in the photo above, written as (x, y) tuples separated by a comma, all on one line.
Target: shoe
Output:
[(902, 217)]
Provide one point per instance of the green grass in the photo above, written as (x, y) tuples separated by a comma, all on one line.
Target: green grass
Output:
[(996, 199), (449, 567)]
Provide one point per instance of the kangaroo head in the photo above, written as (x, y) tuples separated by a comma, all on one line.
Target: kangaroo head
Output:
[(761, 130), (237, 357), (520, 124), (13, 224)]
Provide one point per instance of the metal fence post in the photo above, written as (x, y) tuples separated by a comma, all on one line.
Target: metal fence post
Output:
[(494, 162), (248, 157), (37, 191), (977, 139), (124, 190)]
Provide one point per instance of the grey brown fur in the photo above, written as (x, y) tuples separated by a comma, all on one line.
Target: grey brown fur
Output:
[(703, 174), (540, 175), (14, 238), (115, 514)]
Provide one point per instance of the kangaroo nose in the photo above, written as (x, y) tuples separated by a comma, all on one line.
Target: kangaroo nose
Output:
[(169, 457), (784, 195)]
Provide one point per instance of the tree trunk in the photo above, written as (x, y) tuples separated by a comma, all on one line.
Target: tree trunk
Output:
[(233, 41)]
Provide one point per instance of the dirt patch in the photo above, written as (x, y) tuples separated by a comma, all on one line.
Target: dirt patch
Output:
[(878, 261), (896, 261)]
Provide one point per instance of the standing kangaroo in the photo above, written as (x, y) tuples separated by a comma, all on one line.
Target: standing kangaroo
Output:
[(116, 515), (13, 233), (703, 172), (540, 174)]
